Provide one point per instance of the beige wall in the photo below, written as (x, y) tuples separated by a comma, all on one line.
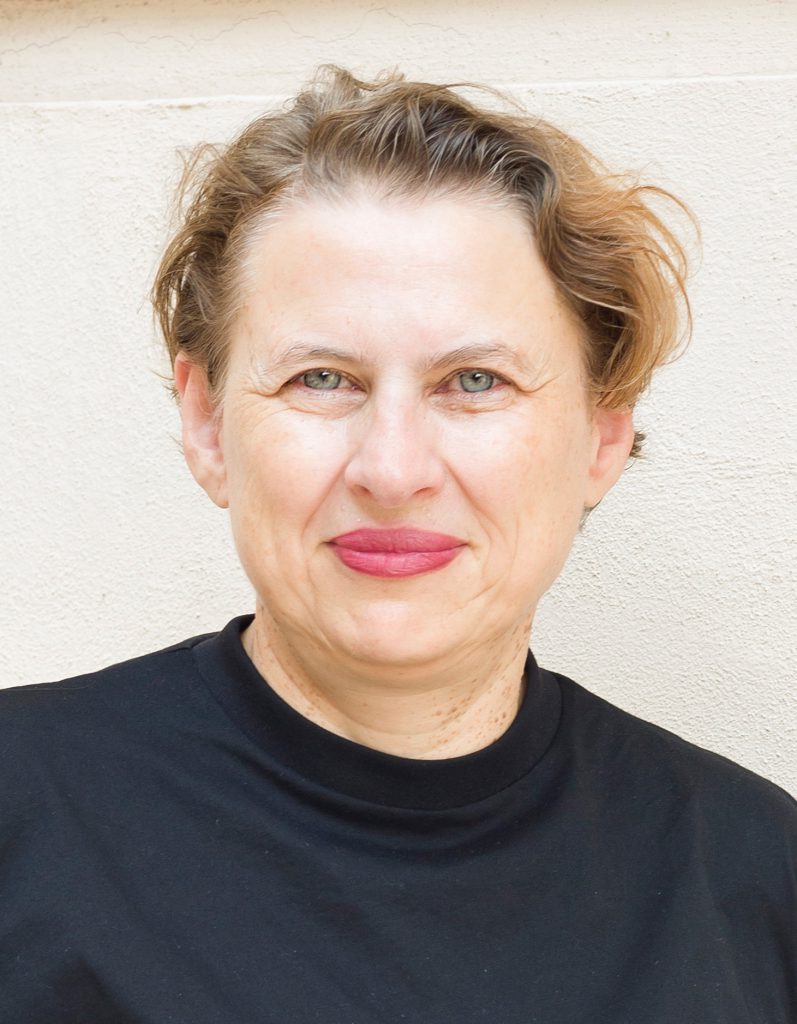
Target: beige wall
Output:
[(679, 600)]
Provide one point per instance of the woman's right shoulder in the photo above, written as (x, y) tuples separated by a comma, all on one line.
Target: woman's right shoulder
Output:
[(37, 720)]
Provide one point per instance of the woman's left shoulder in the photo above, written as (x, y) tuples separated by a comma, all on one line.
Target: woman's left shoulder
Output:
[(654, 765)]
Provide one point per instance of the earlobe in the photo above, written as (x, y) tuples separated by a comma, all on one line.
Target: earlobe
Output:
[(201, 429), (613, 437)]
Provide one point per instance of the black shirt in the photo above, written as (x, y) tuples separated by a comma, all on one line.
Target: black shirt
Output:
[(180, 847)]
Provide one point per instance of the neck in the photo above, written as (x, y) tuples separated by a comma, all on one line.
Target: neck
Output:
[(450, 708)]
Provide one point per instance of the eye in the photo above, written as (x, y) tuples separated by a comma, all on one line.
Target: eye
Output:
[(477, 381), (472, 382), (320, 380)]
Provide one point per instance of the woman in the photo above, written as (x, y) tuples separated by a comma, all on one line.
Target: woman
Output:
[(407, 336)]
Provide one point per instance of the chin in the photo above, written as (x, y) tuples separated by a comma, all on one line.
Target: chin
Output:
[(393, 636)]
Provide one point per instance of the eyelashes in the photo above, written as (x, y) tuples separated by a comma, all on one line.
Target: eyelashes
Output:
[(329, 381), (324, 376)]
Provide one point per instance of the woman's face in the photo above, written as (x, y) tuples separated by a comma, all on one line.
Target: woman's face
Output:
[(445, 393)]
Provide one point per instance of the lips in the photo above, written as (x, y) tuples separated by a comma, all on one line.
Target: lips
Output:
[(396, 552), (397, 540)]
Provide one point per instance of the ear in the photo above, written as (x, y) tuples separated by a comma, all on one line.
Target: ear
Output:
[(201, 429), (612, 440)]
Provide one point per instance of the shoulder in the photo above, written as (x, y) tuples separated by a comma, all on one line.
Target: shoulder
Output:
[(92, 690), (740, 817), (58, 722)]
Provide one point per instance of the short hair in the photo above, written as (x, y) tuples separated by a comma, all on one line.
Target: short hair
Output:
[(614, 260)]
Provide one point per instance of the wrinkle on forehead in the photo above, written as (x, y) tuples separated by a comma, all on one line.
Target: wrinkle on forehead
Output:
[(279, 315)]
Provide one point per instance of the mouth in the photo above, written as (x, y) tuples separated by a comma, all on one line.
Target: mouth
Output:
[(396, 552)]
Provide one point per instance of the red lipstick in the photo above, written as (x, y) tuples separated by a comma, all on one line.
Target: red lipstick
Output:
[(396, 552)]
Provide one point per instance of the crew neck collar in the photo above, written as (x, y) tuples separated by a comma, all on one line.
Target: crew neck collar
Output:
[(334, 762)]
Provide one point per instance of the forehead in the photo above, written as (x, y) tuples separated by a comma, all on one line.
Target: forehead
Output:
[(401, 275)]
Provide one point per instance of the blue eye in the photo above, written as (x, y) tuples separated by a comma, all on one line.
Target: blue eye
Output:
[(480, 380), (321, 380), (471, 381)]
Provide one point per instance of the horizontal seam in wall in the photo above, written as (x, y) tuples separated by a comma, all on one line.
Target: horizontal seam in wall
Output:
[(509, 87)]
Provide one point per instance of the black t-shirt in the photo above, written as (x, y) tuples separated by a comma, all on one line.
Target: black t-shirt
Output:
[(180, 847)]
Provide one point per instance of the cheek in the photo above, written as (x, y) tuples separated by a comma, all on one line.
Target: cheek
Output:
[(279, 468), (536, 501), (530, 466)]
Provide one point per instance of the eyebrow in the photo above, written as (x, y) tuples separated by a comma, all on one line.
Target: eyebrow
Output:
[(464, 354)]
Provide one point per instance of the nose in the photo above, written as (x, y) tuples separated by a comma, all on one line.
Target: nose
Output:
[(395, 456)]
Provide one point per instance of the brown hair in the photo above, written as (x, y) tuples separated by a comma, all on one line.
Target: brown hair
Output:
[(617, 264)]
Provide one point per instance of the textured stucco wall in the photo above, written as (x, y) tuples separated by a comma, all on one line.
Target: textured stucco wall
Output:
[(679, 600)]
